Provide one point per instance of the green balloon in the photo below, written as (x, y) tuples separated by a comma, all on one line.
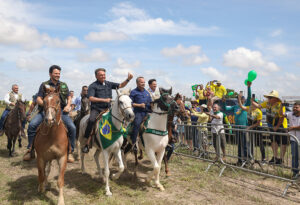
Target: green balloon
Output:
[(230, 93), (252, 75), (246, 82)]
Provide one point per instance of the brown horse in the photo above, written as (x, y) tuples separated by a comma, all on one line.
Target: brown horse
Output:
[(182, 115), (51, 142), (13, 125)]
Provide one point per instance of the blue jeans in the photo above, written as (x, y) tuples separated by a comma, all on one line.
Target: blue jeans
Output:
[(38, 119), (139, 116), (243, 149), (195, 137), (295, 157), (4, 114)]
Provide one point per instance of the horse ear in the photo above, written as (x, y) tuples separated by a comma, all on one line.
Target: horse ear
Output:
[(160, 90), (57, 89), (170, 91)]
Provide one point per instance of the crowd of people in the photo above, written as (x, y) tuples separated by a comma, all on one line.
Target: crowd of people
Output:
[(209, 106)]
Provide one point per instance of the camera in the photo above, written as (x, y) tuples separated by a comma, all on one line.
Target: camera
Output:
[(205, 109)]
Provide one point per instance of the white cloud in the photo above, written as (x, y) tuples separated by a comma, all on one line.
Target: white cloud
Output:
[(135, 21), (106, 36), (244, 58), (33, 63), (96, 55), (179, 50), (188, 56), (273, 49), (122, 68), (276, 33), (214, 74), (15, 29)]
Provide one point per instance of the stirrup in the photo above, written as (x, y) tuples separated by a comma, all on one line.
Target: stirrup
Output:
[(85, 149)]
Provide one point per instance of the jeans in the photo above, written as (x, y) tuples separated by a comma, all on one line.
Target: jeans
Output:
[(139, 116), (4, 114), (195, 137), (38, 119), (295, 157), (243, 148)]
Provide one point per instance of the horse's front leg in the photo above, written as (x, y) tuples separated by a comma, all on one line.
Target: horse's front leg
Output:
[(62, 162), (121, 165), (47, 172), (151, 155), (96, 157), (106, 172), (20, 141), (9, 145), (41, 171), (13, 146), (166, 165), (159, 157)]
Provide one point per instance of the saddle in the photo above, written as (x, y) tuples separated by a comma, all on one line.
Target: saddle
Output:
[(94, 129)]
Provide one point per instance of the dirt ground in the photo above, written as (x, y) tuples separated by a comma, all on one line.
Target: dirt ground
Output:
[(189, 184)]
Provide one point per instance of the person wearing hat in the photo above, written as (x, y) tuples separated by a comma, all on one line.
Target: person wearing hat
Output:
[(202, 121), (255, 122), (200, 94), (220, 90), (277, 123), (241, 122)]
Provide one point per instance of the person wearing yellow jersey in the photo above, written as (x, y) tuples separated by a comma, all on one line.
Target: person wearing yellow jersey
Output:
[(220, 90), (202, 121), (277, 122), (255, 121), (188, 130), (201, 95)]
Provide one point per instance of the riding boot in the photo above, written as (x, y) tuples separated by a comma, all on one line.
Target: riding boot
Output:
[(87, 146)]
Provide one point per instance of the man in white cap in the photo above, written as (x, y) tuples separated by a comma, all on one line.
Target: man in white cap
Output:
[(277, 122)]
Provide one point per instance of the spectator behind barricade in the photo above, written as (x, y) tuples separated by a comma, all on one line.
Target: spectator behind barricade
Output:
[(240, 119), (202, 121), (294, 129), (194, 130), (200, 92), (188, 130), (216, 118), (255, 122), (278, 122)]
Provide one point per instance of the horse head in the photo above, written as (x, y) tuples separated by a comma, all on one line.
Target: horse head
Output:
[(124, 103), (166, 101), (21, 108), (51, 105), (85, 105), (181, 112)]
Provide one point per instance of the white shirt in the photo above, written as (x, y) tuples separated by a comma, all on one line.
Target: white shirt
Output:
[(294, 121), (6, 98), (154, 94), (217, 124)]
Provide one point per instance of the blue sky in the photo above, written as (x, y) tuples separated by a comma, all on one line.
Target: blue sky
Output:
[(180, 43)]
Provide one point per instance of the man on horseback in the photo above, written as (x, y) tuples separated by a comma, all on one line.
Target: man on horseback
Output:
[(153, 90), (10, 100), (141, 99), (65, 102), (77, 101), (100, 95)]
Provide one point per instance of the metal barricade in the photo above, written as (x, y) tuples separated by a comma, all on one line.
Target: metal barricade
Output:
[(239, 148)]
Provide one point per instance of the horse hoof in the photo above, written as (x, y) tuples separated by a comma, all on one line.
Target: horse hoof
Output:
[(20, 145), (168, 174), (161, 188), (114, 177), (108, 193)]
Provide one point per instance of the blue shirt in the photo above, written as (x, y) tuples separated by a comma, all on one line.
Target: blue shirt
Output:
[(240, 116), (77, 103), (138, 96)]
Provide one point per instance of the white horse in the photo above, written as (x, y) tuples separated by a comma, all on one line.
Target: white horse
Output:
[(121, 111), (156, 136)]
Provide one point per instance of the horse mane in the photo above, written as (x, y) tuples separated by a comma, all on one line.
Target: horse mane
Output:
[(177, 96)]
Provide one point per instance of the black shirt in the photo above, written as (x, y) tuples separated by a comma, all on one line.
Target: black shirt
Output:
[(41, 93), (101, 90)]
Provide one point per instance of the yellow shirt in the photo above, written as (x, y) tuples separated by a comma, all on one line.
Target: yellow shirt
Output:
[(273, 113), (202, 119), (201, 94), (212, 87), (255, 115), (220, 91), (189, 121)]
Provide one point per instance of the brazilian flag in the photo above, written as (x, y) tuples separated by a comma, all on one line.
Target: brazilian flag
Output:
[(108, 132)]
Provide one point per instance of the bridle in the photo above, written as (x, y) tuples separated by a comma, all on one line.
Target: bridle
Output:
[(56, 108), (122, 110), (168, 105)]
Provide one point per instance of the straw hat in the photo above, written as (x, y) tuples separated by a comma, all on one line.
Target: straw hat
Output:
[(274, 94)]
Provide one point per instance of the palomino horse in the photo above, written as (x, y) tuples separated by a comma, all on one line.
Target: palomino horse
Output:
[(51, 142), (155, 136), (120, 112), (182, 114), (13, 125)]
